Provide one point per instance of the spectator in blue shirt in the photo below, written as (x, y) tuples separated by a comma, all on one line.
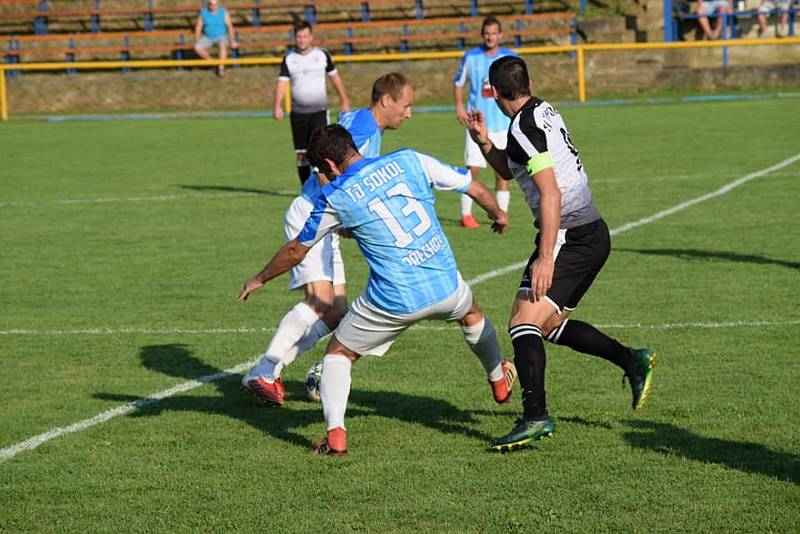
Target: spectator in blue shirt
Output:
[(214, 28)]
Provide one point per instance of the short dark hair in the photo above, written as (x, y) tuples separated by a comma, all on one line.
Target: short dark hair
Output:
[(491, 20), (301, 24), (389, 84), (331, 142), (509, 76)]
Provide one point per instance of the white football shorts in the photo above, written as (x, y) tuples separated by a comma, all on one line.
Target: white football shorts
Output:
[(324, 260), (473, 157), (368, 330)]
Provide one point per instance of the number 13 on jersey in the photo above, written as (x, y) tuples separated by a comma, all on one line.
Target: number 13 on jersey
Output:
[(412, 207)]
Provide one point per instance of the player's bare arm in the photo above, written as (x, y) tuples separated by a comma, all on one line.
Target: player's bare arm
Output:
[(287, 257), (198, 29), (480, 134), (231, 33), (338, 85), (461, 112), (485, 199), (280, 93), (549, 222)]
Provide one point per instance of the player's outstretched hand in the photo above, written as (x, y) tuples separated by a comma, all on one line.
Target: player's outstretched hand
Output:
[(500, 223), (463, 117), (476, 127), (251, 285)]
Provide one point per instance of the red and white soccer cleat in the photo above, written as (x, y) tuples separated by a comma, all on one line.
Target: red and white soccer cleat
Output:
[(501, 388), (468, 221), (266, 390), (334, 444)]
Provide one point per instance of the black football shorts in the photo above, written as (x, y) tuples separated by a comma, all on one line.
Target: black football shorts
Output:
[(303, 125), (582, 253)]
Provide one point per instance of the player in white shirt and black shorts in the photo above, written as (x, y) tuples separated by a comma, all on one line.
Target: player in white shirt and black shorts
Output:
[(572, 246), (306, 67)]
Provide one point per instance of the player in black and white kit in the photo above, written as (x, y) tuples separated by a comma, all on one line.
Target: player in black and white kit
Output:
[(572, 245), (306, 68)]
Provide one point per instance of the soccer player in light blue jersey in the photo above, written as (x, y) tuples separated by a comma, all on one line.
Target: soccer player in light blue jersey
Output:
[(321, 274), (474, 70), (387, 206)]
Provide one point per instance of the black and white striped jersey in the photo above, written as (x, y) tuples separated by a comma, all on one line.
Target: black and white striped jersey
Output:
[(307, 75), (537, 139)]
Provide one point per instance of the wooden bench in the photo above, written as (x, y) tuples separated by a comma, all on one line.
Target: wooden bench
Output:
[(401, 36), (145, 14)]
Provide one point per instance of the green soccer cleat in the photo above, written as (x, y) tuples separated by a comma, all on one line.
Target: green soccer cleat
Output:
[(526, 432), (641, 376)]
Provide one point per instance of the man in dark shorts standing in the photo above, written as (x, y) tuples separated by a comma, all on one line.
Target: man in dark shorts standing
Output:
[(306, 67), (572, 246)]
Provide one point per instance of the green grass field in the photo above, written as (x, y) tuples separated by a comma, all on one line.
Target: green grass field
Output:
[(124, 245)]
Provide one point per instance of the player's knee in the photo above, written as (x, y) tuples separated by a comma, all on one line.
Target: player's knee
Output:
[(334, 315), (552, 324), (320, 306), (478, 332)]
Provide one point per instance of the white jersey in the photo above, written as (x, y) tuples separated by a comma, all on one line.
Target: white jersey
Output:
[(538, 139), (307, 75)]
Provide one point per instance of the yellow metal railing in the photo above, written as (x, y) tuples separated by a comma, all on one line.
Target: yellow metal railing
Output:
[(579, 50)]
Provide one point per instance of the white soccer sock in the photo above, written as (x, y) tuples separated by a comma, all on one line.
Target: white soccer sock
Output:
[(265, 367), (334, 389), (503, 199), (466, 205), (282, 348), (482, 340), (317, 331)]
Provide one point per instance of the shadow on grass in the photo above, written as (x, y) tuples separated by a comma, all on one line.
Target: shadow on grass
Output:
[(177, 360), (669, 439), (231, 189), (693, 254), (576, 420)]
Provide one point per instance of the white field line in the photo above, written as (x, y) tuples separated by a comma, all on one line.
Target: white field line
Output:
[(32, 443), (156, 198), (235, 194), (422, 327), (53, 433)]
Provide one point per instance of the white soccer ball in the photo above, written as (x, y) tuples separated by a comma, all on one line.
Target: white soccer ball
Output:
[(313, 377)]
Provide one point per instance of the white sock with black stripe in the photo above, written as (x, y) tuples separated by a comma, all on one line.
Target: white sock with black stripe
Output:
[(555, 333)]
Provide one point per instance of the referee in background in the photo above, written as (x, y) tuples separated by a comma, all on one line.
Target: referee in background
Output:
[(305, 67)]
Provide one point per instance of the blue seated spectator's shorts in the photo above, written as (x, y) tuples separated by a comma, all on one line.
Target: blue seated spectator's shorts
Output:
[(207, 43), (709, 7), (768, 6)]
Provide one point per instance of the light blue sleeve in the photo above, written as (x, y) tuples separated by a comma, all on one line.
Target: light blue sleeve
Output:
[(444, 177), (323, 220), (461, 75)]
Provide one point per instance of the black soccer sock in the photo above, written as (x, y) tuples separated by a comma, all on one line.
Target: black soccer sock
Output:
[(303, 171), (530, 359), (585, 338)]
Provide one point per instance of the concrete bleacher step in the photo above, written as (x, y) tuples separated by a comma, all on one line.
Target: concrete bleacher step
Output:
[(606, 30)]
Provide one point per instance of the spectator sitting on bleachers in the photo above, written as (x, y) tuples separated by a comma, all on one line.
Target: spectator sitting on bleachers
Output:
[(770, 5), (707, 8), (214, 27)]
